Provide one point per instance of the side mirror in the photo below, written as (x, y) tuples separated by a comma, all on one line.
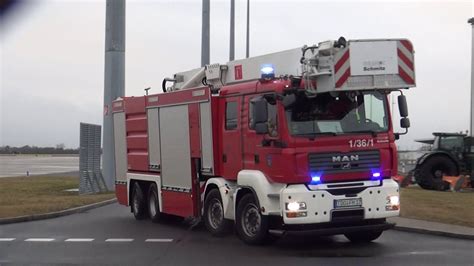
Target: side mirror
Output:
[(404, 122), (289, 100), (403, 106)]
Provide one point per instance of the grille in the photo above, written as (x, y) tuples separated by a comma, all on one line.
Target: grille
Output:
[(344, 162)]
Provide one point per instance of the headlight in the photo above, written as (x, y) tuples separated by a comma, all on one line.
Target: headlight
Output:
[(295, 206), (393, 203), (394, 200)]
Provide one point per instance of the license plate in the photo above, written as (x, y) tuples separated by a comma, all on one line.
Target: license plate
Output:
[(345, 203)]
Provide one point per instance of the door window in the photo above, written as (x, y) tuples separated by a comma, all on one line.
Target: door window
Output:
[(231, 115)]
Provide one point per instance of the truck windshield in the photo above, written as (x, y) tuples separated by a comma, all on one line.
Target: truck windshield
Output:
[(346, 112)]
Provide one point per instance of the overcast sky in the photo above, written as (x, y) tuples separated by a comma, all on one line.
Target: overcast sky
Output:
[(52, 55)]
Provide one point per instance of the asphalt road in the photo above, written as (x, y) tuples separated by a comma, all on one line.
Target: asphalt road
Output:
[(110, 235)]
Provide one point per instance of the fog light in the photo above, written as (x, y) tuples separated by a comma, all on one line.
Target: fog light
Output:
[(296, 214)]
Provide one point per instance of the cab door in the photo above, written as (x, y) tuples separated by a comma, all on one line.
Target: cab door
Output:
[(231, 142)]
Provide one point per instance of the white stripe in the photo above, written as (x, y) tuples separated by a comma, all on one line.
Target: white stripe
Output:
[(405, 51), (159, 240), (342, 70), (406, 69), (6, 239), (119, 240), (339, 55), (39, 239), (79, 240)]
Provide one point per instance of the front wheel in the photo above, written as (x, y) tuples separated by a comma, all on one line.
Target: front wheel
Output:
[(363, 237), (251, 225)]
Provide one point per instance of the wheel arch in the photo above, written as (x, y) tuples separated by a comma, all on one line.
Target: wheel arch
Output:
[(144, 185), (225, 188), (267, 194), (144, 181), (244, 190)]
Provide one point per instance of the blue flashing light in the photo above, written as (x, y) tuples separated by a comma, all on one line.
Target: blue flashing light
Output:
[(376, 175), (315, 179), (268, 72)]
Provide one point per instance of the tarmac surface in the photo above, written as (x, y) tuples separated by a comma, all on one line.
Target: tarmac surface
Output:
[(110, 235), (37, 165)]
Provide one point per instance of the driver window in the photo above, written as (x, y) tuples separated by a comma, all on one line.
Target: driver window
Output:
[(272, 118), (374, 110)]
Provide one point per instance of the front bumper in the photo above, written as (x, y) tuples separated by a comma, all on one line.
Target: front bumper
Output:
[(320, 202), (326, 229)]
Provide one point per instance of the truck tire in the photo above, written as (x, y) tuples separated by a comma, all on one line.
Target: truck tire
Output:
[(363, 237), (431, 171), (251, 225), (214, 214), (138, 202), (153, 204)]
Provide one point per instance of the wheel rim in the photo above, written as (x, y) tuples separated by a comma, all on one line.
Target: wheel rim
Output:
[(251, 220), (152, 205), (215, 214)]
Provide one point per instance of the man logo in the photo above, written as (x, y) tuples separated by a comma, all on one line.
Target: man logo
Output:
[(345, 158)]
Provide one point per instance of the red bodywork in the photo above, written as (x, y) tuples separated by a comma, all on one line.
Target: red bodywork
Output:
[(241, 148)]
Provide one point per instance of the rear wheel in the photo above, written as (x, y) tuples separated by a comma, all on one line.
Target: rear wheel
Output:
[(363, 237), (251, 225), (138, 202), (431, 172), (214, 214), (153, 204)]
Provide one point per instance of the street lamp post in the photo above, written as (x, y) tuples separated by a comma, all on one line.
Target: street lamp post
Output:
[(114, 81)]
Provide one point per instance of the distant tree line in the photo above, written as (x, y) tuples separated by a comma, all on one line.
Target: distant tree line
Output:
[(59, 149)]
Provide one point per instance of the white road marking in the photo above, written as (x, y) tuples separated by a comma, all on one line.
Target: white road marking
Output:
[(6, 239), (159, 240), (39, 239), (119, 240), (79, 240)]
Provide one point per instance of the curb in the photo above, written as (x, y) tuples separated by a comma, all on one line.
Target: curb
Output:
[(49, 215), (432, 232)]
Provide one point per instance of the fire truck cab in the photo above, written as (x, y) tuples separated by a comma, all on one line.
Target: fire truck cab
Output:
[(297, 140)]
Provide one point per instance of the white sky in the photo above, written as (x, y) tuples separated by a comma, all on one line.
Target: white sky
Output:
[(52, 55)]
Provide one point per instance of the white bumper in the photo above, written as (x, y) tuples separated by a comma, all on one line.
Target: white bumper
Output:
[(320, 203)]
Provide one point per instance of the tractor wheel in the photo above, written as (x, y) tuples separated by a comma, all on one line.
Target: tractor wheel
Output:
[(431, 172)]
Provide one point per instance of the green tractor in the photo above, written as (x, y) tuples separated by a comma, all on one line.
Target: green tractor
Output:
[(452, 154)]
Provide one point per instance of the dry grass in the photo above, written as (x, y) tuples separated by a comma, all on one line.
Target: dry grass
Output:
[(444, 207), (42, 194)]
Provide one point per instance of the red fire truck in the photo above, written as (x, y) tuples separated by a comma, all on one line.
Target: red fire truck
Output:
[(291, 141)]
